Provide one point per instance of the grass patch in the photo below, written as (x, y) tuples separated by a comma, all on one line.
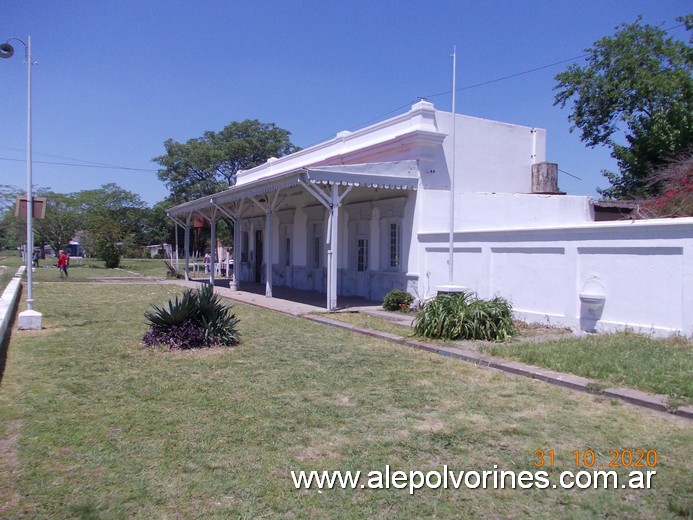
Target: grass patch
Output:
[(154, 267), (9, 263), (92, 269), (662, 366), (96, 426), (369, 322), (6, 275)]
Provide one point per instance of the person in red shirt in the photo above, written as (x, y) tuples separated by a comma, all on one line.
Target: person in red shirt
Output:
[(62, 263)]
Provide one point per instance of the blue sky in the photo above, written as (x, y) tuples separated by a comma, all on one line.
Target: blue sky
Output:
[(115, 79)]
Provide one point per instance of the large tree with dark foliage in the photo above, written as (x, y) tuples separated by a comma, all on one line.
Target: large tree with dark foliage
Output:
[(207, 164), (634, 95)]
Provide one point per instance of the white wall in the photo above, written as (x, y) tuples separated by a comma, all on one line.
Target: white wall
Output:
[(501, 210), (643, 269), (491, 156)]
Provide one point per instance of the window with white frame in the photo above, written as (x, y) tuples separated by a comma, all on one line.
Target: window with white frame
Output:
[(362, 255), (395, 244)]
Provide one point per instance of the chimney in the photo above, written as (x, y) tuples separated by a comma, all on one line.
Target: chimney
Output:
[(545, 178)]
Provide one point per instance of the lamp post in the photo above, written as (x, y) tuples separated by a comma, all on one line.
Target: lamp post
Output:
[(29, 319)]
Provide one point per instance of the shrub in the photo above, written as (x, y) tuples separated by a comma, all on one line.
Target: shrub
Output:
[(397, 300), (196, 319), (186, 335), (177, 312), (675, 184), (107, 238), (215, 318), (463, 316)]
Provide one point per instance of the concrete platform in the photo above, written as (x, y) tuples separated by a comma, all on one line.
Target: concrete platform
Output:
[(284, 299)]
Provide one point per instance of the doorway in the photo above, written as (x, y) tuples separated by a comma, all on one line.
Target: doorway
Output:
[(361, 288), (259, 256)]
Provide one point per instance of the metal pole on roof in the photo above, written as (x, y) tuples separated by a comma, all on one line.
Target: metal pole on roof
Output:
[(451, 258)]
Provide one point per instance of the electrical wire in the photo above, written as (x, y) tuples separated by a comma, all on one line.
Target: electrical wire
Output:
[(570, 174), (104, 167), (489, 82), (377, 118), (94, 163)]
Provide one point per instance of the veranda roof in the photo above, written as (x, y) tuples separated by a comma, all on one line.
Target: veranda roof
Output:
[(398, 175)]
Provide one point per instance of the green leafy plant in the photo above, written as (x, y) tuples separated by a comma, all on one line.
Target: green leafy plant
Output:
[(397, 300), (215, 317), (196, 319), (176, 312), (463, 316)]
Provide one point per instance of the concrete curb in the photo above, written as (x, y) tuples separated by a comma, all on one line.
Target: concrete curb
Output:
[(8, 301), (636, 397)]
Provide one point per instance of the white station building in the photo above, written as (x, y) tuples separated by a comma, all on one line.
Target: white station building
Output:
[(379, 208)]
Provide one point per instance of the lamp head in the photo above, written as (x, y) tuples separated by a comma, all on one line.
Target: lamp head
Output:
[(6, 50)]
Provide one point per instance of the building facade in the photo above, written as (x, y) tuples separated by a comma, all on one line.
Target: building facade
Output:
[(379, 209)]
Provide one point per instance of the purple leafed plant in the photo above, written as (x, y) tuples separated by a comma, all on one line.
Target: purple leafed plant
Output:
[(187, 335)]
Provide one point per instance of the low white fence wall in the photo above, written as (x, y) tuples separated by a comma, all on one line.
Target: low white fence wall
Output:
[(8, 301), (601, 276)]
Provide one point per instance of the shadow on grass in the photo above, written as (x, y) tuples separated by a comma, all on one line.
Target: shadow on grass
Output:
[(5, 345)]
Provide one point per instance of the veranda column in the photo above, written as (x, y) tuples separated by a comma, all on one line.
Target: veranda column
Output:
[(213, 245), (235, 283), (334, 247), (187, 246), (268, 254)]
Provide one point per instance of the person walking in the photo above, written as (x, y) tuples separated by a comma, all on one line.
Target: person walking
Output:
[(62, 263)]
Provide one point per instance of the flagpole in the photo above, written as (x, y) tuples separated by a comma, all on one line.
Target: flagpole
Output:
[(451, 258)]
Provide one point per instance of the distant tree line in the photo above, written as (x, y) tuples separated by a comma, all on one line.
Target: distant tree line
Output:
[(107, 220)]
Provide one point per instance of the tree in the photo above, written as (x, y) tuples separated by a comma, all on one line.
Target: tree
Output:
[(62, 221), (102, 216), (210, 163), (114, 217), (107, 238), (113, 203), (12, 229), (157, 227), (639, 83)]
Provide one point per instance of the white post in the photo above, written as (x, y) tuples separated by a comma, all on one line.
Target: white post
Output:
[(29, 192), (176, 233), (334, 248), (450, 287), (186, 243), (235, 284), (268, 254), (213, 245), (451, 258), (29, 319)]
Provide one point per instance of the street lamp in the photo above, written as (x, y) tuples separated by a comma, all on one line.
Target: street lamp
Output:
[(29, 319)]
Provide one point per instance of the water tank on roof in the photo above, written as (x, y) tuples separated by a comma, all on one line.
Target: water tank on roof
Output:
[(545, 178)]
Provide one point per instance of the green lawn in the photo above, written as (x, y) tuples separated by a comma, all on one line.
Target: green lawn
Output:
[(661, 366), (87, 271), (657, 365), (94, 426), (9, 263)]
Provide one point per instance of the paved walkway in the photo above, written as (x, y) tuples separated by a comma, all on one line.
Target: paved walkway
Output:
[(284, 299), (311, 305)]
